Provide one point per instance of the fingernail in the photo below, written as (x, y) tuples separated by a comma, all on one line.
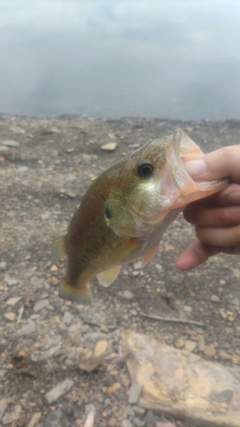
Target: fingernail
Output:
[(196, 167)]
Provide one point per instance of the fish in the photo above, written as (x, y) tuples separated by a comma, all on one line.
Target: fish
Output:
[(125, 211)]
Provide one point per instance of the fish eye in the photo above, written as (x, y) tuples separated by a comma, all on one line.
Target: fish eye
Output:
[(145, 168)]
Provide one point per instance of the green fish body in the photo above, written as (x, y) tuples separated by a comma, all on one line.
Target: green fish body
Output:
[(125, 211)]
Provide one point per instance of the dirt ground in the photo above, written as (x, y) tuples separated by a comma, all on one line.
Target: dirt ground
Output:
[(46, 166)]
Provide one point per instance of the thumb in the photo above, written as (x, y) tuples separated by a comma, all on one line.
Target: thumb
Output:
[(222, 163)]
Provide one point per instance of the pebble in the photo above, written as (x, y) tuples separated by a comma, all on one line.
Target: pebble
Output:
[(127, 423), (10, 316), (179, 343), (10, 143), (3, 265), (215, 298), (3, 406), (67, 318), (58, 391), (2, 373), (129, 411), (39, 305), (100, 348), (11, 281), (224, 355), (12, 416), (22, 168), (53, 418), (111, 146), (187, 308), (3, 148), (29, 328), (190, 345), (209, 351), (134, 392), (34, 419), (128, 294), (13, 301)]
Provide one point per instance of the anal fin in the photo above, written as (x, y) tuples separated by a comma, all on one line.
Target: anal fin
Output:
[(81, 295), (108, 276), (58, 247), (150, 254)]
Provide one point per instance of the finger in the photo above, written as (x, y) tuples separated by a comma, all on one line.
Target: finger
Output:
[(206, 216), (222, 163), (228, 197), (196, 253), (229, 236)]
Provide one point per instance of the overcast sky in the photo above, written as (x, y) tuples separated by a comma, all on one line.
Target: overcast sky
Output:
[(172, 59)]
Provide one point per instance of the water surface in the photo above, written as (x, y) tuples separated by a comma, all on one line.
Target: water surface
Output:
[(177, 59)]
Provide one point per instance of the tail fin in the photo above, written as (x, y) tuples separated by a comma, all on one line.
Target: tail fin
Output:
[(81, 295)]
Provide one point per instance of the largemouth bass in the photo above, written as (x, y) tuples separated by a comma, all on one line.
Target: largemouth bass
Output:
[(125, 211)]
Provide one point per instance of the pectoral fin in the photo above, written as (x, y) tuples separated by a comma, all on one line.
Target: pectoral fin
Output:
[(58, 247), (108, 276), (150, 254), (81, 295)]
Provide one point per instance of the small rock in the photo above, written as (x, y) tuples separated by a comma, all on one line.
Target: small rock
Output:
[(3, 148), (53, 419), (137, 422), (75, 327), (179, 343), (29, 328), (138, 410), (111, 146), (114, 387), (129, 411), (127, 423), (209, 351), (190, 345), (112, 421), (100, 348), (87, 158), (128, 294), (11, 281), (67, 318), (2, 373), (39, 305), (3, 265), (22, 168), (134, 392), (10, 316), (34, 419), (13, 301), (164, 424), (12, 416), (201, 343), (3, 406), (10, 143), (45, 215), (215, 298), (187, 309), (58, 391), (137, 265)]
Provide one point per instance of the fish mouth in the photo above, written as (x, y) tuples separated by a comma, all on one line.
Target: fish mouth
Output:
[(179, 186)]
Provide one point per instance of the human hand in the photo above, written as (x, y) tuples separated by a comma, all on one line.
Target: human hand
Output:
[(216, 218)]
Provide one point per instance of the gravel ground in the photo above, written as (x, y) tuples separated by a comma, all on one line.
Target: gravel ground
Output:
[(58, 359)]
